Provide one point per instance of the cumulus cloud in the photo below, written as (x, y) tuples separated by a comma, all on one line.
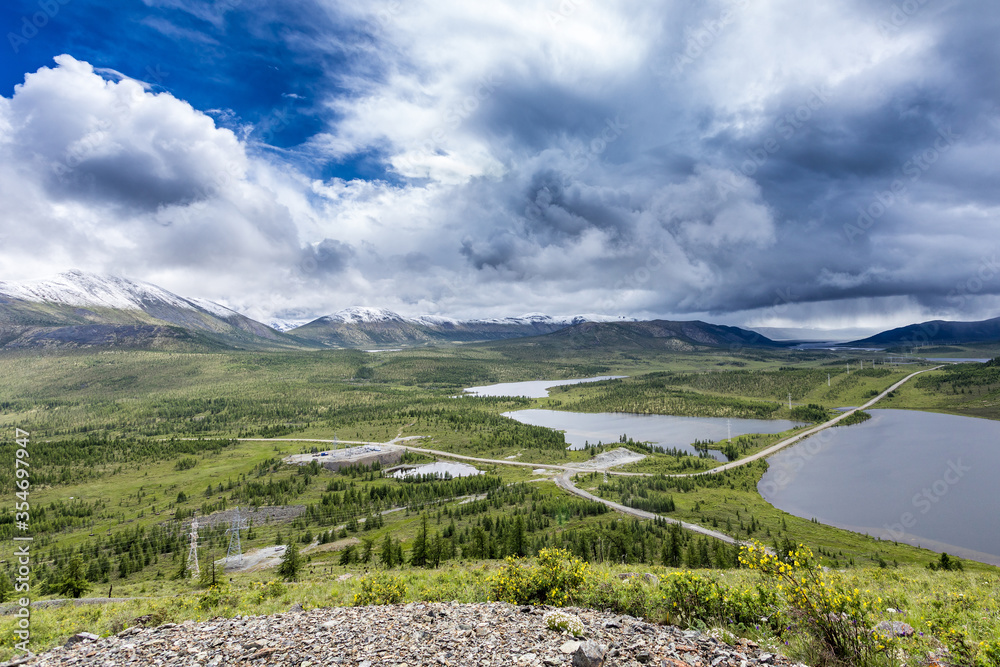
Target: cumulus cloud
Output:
[(745, 162)]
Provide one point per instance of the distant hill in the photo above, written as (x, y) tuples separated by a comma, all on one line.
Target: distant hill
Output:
[(82, 310), (935, 332), (377, 327), (78, 310), (652, 335)]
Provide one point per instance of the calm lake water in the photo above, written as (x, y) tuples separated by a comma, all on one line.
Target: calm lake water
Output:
[(440, 469), (917, 477), (531, 389), (661, 430)]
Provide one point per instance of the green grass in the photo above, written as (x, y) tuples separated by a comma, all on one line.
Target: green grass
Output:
[(954, 609), (118, 411)]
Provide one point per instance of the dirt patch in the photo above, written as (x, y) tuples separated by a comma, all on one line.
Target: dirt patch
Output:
[(604, 460), (333, 546), (254, 560)]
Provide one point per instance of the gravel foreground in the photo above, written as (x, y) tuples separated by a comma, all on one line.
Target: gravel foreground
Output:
[(412, 635)]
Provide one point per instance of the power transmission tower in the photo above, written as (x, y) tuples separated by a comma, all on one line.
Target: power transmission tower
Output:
[(235, 547), (192, 561)]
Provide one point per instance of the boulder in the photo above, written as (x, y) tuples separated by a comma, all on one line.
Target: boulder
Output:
[(895, 628), (590, 654)]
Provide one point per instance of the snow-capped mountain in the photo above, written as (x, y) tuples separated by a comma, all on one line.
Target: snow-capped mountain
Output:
[(79, 309), (364, 315), (369, 315), (285, 324), (78, 288), (373, 327)]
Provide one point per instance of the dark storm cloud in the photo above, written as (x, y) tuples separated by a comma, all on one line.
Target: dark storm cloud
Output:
[(326, 258), (760, 163)]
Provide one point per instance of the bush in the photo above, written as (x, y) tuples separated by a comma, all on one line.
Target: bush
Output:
[(269, 590), (692, 600), (559, 621), (217, 596), (552, 579), (837, 616), (379, 589)]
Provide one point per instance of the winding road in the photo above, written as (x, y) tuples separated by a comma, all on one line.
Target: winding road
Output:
[(564, 479)]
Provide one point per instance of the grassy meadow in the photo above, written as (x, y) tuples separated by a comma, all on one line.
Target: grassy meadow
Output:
[(127, 447)]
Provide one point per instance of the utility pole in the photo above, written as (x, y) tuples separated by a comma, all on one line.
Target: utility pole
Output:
[(235, 547), (192, 561), (789, 400), (827, 379)]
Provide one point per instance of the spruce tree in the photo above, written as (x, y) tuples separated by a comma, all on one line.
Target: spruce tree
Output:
[(291, 562), (388, 553), (72, 581)]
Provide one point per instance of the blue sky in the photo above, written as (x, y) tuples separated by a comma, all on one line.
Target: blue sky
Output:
[(761, 163)]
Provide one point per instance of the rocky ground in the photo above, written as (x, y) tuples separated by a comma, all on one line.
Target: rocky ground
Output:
[(413, 635)]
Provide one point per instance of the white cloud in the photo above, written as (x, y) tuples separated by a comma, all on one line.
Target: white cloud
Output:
[(544, 156)]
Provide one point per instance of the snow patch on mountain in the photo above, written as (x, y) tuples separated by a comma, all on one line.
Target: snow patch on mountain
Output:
[(212, 307), (284, 324), (363, 315), (77, 288)]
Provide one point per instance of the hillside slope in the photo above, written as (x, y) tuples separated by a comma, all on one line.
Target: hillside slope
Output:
[(937, 332), (78, 309)]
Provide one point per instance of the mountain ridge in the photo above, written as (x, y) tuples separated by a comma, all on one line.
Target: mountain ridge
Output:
[(935, 332)]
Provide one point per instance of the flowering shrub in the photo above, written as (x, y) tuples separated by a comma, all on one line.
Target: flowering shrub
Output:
[(217, 596), (554, 577), (988, 654), (839, 616), (266, 591), (691, 599), (560, 621), (379, 589)]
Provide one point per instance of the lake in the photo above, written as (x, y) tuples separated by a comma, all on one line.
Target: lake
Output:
[(917, 477), (439, 469), (532, 388), (660, 430)]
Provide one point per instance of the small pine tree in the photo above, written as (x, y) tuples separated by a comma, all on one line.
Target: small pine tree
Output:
[(388, 553), (368, 546), (6, 587), (72, 581), (418, 556), (291, 562), (206, 575)]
